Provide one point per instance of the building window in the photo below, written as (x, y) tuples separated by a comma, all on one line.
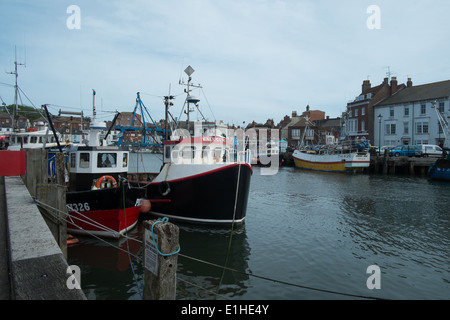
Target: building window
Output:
[(391, 112), (406, 111), (405, 127), (363, 126), (423, 108), (441, 106), (363, 111), (391, 128), (422, 127), (295, 132), (356, 112)]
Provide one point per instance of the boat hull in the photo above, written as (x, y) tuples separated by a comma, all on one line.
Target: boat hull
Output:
[(103, 212), (211, 195), (440, 170), (339, 162)]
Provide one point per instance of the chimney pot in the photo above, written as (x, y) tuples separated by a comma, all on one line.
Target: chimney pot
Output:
[(409, 83)]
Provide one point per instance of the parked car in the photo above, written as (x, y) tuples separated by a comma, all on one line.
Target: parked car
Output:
[(406, 151), (431, 150), (384, 149)]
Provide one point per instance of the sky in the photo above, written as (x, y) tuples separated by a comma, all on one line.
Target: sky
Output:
[(255, 59)]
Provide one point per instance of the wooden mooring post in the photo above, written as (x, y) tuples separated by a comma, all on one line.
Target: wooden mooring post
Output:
[(160, 260)]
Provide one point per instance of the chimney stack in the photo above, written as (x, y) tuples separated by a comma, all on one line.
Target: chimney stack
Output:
[(394, 85), (366, 86), (294, 114)]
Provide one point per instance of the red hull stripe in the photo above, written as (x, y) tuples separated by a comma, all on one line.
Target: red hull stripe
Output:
[(103, 220)]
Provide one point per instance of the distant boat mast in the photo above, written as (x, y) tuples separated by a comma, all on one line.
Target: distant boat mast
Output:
[(16, 89)]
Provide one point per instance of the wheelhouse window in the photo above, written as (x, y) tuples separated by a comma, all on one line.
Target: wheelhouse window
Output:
[(125, 160), (84, 160), (73, 160), (107, 160), (188, 152)]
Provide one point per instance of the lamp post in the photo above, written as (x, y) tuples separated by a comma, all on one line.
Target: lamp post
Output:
[(379, 133)]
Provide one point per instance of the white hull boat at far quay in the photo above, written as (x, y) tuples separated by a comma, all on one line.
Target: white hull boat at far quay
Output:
[(341, 158)]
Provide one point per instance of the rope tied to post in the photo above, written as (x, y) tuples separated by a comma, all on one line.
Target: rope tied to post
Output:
[(165, 219)]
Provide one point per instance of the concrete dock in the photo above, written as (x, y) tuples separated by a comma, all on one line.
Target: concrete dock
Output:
[(32, 265)]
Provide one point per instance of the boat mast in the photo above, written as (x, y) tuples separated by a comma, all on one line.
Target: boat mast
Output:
[(190, 99), (16, 89), (167, 104)]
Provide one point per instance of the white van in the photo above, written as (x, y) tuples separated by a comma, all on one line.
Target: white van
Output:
[(430, 150)]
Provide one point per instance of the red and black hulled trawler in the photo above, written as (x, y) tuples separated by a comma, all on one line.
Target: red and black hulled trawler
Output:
[(100, 200), (205, 178)]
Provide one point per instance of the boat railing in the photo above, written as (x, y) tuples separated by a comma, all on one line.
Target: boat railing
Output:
[(244, 156)]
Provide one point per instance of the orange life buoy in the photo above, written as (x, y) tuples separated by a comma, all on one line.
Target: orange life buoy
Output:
[(100, 180)]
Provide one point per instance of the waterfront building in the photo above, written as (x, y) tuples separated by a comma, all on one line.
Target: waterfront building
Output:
[(6, 122), (358, 121), (409, 118)]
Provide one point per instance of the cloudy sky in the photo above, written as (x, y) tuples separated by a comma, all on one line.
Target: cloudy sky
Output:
[(255, 59)]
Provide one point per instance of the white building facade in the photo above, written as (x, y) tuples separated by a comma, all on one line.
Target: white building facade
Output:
[(409, 117)]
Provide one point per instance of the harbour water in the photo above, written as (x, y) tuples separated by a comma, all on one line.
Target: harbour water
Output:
[(307, 235)]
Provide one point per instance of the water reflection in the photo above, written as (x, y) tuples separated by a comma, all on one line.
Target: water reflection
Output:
[(315, 229), (217, 245)]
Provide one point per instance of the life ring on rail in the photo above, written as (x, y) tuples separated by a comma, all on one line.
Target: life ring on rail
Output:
[(104, 179), (164, 188)]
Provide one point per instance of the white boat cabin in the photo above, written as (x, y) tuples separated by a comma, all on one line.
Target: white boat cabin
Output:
[(34, 140), (98, 160), (87, 164), (201, 150)]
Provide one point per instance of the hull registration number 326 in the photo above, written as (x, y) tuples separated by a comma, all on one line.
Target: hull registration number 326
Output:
[(78, 206)]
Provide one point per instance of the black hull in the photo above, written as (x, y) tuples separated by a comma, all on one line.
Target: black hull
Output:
[(103, 199), (213, 197)]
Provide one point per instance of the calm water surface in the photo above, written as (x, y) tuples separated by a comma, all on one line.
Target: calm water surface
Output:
[(307, 235)]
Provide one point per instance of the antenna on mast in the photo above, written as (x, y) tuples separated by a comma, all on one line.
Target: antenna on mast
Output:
[(190, 99), (93, 104)]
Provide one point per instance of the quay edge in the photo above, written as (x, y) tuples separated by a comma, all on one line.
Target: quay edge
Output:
[(33, 266)]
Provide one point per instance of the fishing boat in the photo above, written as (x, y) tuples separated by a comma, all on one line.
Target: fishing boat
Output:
[(204, 179), (33, 138), (440, 169), (201, 182), (332, 160), (100, 201)]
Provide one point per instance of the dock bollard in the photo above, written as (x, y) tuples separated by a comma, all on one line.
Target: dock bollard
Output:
[(160, 259)]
